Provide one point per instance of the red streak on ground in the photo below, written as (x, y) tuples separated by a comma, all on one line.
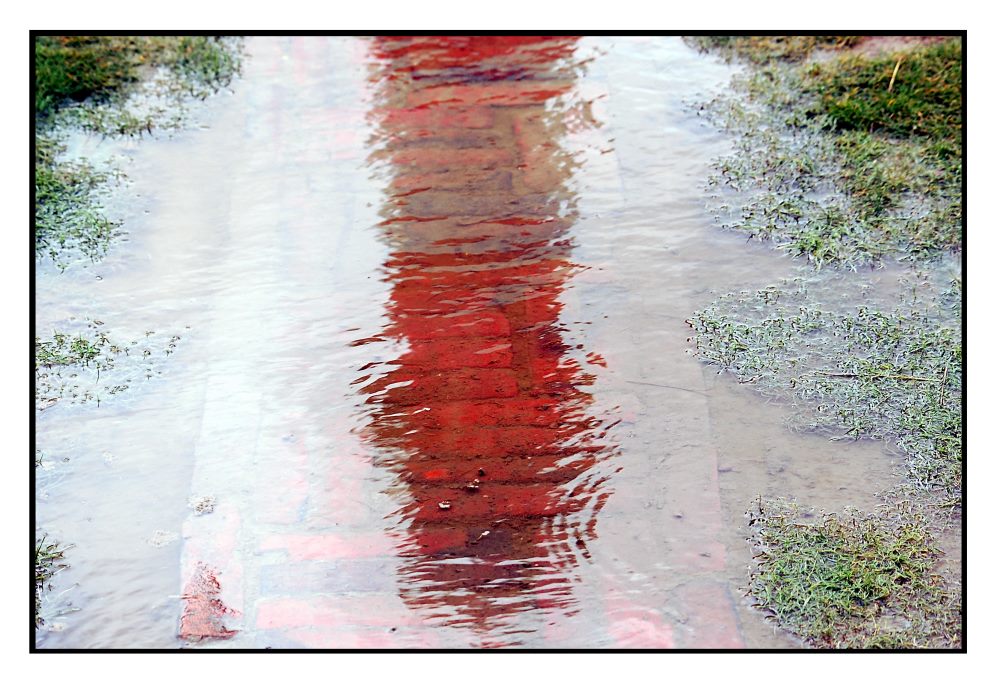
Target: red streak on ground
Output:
[(204, 613)]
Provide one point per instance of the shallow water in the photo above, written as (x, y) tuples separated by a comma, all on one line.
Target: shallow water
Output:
[(432, 365)]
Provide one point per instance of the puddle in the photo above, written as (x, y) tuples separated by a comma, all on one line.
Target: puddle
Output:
[(484, 419), (435, 389)]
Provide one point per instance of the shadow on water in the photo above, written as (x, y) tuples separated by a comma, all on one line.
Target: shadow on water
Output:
[(483, 420)]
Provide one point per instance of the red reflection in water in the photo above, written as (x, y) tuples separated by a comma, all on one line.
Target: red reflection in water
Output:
[(483, 419)]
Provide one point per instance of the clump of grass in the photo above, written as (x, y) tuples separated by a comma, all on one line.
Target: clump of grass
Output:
[(71, 69), (63, 350), (175, 69), (952, 296), (48, 561), (69, 222), (841, 190), (90, 366), (115, 86), (914, 93), (852, 580), (765, 49), (855, 372), (206, 63)]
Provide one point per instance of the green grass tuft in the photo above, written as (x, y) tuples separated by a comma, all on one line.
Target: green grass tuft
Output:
[(857, 373), (48, 561), (77, 67), (925, 97), (65, 350), (765, 49), (852, 580), (845, 190), (68, 220), (70, 69), (206, 63)]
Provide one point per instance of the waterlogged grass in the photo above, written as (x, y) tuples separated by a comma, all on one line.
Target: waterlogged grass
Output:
[(48, 561), (63, 350), (90, 366), (77, 67), (853, 580), (205, 63), (765, 49), (114, 86), (849, 162), (831, 165), (854, 372), (71, 69), (69, 221), (173, 69), (913, 93)]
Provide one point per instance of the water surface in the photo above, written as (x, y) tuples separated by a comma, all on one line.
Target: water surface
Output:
[(432, 370)]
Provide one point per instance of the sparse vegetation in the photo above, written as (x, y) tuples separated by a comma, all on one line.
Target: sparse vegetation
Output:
[(206, 63), (89, 366), (71, 69), (48, 561), (852, 580), (831, 165), (115, 86), (69, 221), (855, 372), (764, 49), (112, 86), (849, 162)]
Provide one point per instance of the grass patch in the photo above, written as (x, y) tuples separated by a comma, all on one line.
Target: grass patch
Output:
[(854, 373), (765, 49), (64, 350), (913, 93), (852, 580), (77, 67), (89, 366), (71, 69), (48, 561), (114, 86), (173, 69), (828, 165), (206, 64), (849, 162), (69, 222)]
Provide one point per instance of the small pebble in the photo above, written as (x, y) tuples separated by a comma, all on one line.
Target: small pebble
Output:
[(202, 505)]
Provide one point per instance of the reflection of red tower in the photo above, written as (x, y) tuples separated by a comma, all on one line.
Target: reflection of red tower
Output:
[(481, 419)]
